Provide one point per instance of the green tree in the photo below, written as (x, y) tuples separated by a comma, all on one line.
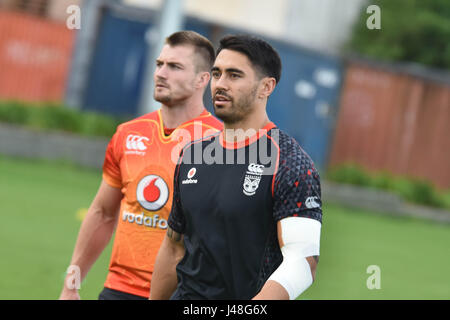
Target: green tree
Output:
[(411, 31)]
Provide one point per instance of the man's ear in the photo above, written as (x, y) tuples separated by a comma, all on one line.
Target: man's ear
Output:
[(203, 79), (266, 87)]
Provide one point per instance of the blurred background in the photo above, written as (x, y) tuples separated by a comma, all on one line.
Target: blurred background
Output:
[(365, 90)]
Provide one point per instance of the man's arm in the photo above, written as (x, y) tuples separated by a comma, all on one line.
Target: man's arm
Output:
[(272, 290), (299, 241), (164, 279), (95, 233)]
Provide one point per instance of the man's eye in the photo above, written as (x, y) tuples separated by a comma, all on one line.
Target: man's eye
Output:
[(235, 76), (215, 74)]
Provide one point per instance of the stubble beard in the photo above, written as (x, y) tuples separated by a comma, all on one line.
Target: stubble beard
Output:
[(238, 110), (171, 99), (162, 98)]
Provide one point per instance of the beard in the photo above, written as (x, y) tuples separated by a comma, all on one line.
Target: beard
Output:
[(172, 98), (238, 110), (166, 98)]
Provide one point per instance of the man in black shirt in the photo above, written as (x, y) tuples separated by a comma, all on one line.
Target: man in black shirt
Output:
[(246, 213)]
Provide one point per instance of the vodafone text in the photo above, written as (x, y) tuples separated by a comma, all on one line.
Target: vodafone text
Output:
[(140, 219)]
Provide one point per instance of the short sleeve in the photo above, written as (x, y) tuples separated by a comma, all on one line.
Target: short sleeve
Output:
[(111, 164), (297, 190), (176, 219)]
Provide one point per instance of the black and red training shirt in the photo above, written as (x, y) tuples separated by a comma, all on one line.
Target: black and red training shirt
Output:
[(227, 201)]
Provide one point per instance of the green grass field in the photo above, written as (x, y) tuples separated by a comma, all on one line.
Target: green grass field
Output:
[(39, 202)]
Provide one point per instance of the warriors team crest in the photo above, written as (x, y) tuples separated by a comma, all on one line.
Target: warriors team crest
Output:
[(252, 178), (152, 192)]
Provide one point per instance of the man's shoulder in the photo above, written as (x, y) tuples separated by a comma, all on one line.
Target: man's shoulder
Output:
[(204, 141), (213, 121), (285, 142), (140, 126), (290, 151), (151, 117), (193, 151), (208, 120)]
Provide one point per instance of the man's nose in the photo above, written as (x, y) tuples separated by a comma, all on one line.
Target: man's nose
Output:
[(161, 72), (220, 83)]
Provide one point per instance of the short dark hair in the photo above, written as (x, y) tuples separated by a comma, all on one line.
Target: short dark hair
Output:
[(261, 54), (201, 44)]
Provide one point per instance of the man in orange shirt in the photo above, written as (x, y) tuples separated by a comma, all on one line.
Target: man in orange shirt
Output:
[(136, 191)]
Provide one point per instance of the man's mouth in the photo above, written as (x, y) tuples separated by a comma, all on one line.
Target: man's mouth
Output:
[(161, 85), (220, 100)]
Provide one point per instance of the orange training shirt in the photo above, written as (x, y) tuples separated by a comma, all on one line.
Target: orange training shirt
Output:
[(140, 159)]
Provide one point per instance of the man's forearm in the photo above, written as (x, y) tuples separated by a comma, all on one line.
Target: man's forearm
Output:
[(273, 290), (94, 235), (96, 230), (164, 279)]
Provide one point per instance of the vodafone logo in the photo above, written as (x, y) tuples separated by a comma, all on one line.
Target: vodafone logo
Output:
[(135, 142), (152, 192), (191, 173)]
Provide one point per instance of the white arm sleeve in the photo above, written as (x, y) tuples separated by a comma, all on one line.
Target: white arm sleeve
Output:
[(301, 238)]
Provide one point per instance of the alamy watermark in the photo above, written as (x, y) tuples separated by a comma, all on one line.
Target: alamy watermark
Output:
[(254, 146), (374, 20), (74, 19), (73, 277), (374, 280)]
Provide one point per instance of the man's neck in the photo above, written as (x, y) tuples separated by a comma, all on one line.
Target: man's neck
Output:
[(239, 131), (174, 116)]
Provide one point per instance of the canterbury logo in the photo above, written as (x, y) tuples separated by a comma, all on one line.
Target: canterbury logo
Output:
[(136, 142), (255, 168), (311, 203)]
